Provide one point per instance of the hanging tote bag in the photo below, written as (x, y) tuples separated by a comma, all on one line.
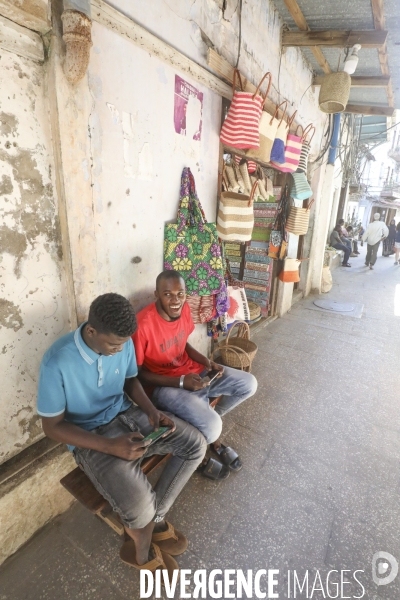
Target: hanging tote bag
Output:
[(268, 129), (191, 245), (235, 220), (301, 188), (278, 147), (305, 149), (290, 271), (241, 126), (278, 233), (293, 147), (238, 306), (298, 219)]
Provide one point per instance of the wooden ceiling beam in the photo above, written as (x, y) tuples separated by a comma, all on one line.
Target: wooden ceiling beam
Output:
[(361, 81), (379, 22), (301, 23), (335, 39), (361, 109)]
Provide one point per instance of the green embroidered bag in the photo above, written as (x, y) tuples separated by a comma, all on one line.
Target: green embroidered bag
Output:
[(191, 245)]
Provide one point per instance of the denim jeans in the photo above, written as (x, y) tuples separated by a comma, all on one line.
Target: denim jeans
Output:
[(345, 250), (123, 483), (194, 407)]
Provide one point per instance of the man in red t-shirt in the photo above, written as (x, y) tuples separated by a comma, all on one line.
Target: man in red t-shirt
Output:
[(173, 372)]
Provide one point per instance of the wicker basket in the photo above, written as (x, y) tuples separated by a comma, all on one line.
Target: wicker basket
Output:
[(255, 310), (239, 351), (334, 92)]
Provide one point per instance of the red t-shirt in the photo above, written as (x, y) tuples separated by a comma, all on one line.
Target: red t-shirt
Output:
[(160, 344)]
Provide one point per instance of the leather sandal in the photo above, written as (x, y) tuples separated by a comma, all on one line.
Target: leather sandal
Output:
[(213, 469), (228, 457), (171, 541), (161, 560)]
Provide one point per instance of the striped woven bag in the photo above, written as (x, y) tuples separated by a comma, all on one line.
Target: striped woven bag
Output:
[(235, 216), (293, 148), (241, 126), (305, 150)]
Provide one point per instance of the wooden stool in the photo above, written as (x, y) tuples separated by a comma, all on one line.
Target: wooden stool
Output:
[(79, 485)]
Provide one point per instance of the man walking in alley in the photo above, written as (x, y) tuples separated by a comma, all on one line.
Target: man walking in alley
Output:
[(87, 381), (374, 234)]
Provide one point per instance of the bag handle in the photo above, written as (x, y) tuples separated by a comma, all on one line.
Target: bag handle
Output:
[(252, 193), (236, 72), (307, 131), (310, 205), (268, 88), (285, 102), (290, 121), (243, 332), (302, 129)]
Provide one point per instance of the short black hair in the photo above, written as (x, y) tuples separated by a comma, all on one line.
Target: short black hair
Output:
[(341, 222), (112, 313), (167, 274)]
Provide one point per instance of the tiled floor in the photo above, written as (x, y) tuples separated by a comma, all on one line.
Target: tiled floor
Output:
[(319, 490)]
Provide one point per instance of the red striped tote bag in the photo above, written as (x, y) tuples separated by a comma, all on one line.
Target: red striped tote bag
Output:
[(294, 144), (241, 126)]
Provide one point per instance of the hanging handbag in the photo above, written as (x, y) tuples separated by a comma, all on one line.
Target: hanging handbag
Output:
[(268, 129), (305, 150), (191, 245), (298, 219), (241, 126), (235, 216), (293, 147), (278, 147), (278, 233), (290, 271), (301, 189), (238, 307)]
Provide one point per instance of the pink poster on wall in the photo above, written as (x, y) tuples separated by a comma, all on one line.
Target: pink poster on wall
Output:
[(188, 109)]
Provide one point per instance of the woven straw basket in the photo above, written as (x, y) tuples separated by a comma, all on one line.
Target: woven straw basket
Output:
[(255, 310), (238, 352), (298, 219), (334, 92)]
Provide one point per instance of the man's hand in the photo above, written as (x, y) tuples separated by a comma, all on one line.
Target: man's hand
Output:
[(216, 367), (194, 382), (129, 446), (158, 419)]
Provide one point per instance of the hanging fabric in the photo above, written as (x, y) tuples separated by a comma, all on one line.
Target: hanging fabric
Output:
[(238, 307), (191, 245), (278, 233), (241, 126), (268, 128), (305, 150), (235, 216), (202, 308)]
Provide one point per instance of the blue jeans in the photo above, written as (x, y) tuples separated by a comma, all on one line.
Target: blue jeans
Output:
[(194, 407), (345, 250), (123, 483)]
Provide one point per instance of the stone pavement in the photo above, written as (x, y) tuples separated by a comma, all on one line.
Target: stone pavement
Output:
[(320, 444)]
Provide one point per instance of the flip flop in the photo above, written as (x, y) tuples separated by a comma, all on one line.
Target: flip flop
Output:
[(228, 457), (171, 541), (213, 469), (161, 560)]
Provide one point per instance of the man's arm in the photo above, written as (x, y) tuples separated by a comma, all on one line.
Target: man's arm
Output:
[(129, 446), (135, 391)]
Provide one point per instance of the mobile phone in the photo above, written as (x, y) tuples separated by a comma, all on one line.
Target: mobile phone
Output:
[(155, 435), (213, 374)]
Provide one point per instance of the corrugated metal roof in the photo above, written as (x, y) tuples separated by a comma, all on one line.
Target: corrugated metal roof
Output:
[(357, 15)]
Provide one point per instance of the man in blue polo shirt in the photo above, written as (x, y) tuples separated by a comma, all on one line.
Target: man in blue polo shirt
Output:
[(87, 379)]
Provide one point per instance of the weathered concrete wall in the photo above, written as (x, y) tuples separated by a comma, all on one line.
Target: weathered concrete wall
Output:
[(32, 500), (33, 306)]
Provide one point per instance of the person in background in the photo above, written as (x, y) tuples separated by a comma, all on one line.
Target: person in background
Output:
[(353, 240), (344, 235), (336, 242), (374, 234), (388, 243), (397, 244)]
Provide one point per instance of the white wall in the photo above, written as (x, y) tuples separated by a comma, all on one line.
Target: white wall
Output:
[(33, 305)]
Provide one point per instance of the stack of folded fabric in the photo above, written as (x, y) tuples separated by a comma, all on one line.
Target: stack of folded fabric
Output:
[(233, 253), (265, 211), (257, 274)]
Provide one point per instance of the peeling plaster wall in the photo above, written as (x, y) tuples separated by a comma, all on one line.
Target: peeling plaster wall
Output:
[(33, 307)]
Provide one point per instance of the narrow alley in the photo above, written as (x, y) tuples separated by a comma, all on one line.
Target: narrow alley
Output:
[(320, 444)]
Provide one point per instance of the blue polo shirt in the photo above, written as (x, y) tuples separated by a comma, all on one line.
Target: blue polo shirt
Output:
[(85, 385)]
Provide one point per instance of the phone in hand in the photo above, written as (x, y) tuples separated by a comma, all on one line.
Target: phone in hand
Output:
[(211, 375), (155, 435)]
